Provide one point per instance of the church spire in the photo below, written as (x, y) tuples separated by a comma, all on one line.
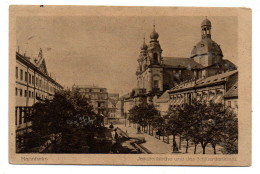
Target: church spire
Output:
[(144, 46), (206, 28), (154, 35)]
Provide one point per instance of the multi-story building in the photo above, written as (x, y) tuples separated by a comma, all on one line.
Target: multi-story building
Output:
[(231, 97), (98, 97), (114, 106), (33, 84), (211, 89)]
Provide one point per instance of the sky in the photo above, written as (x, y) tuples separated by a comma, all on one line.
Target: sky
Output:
[(103, 51)]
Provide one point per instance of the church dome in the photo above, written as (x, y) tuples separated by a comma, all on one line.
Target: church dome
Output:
[(206, 46), (144, 46), (154, 35), (205, 22)]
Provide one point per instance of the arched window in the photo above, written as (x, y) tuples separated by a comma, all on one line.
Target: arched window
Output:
[(155, 58)]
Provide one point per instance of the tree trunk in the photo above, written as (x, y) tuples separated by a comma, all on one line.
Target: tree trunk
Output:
[(214, 147), (54, 144), (187, 145), (195, 148), (174, 146), (180, 143), (204, 149), (149, 129)]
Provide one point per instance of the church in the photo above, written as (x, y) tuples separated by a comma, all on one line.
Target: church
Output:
[(159, 76), (157, 73)]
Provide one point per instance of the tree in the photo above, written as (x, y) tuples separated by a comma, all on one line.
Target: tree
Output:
[(230, 142), (143, 114), (205, 124), (212, 123), (66, 118), (158, 123), (174, 124)]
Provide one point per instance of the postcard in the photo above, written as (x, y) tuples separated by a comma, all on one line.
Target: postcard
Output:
[(101, 85)]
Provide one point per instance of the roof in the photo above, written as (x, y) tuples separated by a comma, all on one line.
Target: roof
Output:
[(89, 86), (206, 46), (232, 92), (206, 22), (204, 82), (125, 96), (224, 65), (165, 97), (215, 79), (25, 60), (181, 63)]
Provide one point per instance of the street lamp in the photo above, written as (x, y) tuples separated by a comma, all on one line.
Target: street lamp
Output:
[(125, 119)]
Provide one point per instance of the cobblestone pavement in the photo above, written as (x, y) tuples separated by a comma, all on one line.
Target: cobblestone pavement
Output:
[(157, 146)]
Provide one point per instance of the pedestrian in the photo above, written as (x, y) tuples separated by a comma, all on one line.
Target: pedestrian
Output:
[(111, 126), (116, 135), (139, 129)]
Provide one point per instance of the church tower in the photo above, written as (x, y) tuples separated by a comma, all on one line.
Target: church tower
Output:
[(149, 71), (207, 52), (154, 49)]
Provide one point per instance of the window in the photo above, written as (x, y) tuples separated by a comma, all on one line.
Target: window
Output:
[(30, 78), (32, 95), (229, 103), (156, 84), (33, 80), (16, 91), (20, 115), (21, 92), (25, 76), (25, 93), (16, 72), (29, 93), (21, 74), (155, 58), (15, 115), (236, 104)]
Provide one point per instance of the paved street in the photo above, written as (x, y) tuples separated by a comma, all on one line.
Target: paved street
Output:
[(157, 146)]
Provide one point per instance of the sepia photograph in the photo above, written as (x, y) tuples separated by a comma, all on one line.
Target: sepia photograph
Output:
[(122, 84)]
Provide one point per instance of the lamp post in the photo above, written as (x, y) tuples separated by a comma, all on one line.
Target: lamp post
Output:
[(125, 119)]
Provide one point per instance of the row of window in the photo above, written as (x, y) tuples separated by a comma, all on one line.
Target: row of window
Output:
[(28, 93), (235, 103), (92, 90), (32, 80), (96, 96), (22, 114)]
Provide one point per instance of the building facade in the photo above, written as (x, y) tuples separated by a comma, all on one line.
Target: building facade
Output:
[(32, 84), (114, 106), (98, 97), (231, 97)]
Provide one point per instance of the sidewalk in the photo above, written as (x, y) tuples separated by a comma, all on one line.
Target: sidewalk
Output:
[(154, 145), (157, 146)]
